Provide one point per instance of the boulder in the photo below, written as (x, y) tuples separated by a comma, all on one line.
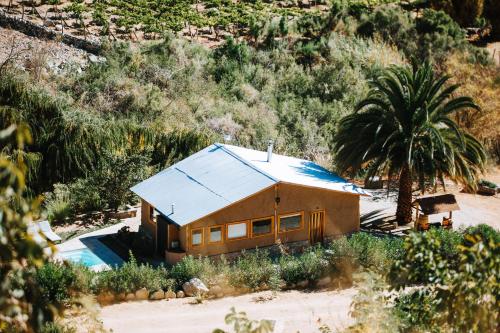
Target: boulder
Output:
[(303, 284), (130, 297), (228, 290), (180, 294), (170, 294), (142, 294), (157, 295), (105, 298), (323, 282), (194, 287), (121, 297), (216, 291)]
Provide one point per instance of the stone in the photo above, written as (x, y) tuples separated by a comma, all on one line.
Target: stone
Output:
[(130, 297), (121, 297), (170, 294), (216, 291), (303, 284), (180, 294), (323, 282), (142, 294), (157, 295), (194, 287), (106, 298), (228, 290)]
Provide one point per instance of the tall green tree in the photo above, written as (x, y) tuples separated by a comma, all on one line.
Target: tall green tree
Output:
[(22, 307), (404, 126)]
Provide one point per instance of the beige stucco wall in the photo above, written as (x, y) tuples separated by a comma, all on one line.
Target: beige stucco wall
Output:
[(341, 217)]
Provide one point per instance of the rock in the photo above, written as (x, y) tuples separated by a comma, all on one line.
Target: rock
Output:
[(194, 287), (324, 281), (142, 294), (216, 291), (228, 290), (121, 297), (159, 294), (130, 297), (59, 27), (180, 294), (303, 284), (106, 298), (170, 294)]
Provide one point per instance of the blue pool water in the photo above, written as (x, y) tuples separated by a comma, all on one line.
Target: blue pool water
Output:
[(82, 256)]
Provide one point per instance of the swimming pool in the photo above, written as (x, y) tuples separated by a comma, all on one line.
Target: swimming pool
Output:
[(82, 256)]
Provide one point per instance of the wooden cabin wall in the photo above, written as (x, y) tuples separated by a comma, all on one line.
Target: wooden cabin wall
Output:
[(341, 217)]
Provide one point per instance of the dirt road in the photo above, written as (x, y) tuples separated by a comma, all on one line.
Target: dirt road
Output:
[(293, 311)]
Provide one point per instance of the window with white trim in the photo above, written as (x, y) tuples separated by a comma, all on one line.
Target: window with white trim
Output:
[(237, 230)]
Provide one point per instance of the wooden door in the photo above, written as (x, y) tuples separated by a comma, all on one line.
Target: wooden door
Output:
[(317, 227)]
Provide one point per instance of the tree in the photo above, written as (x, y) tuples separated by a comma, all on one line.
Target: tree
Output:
[(404, 126), (465, 12), (22, 308)]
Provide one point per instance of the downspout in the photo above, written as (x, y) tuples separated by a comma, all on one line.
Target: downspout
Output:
[(276, 200)]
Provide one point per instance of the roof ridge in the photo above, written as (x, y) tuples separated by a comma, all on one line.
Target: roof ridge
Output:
[(244, 161)]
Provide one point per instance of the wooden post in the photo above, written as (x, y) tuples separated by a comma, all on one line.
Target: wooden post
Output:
[(276, 194)]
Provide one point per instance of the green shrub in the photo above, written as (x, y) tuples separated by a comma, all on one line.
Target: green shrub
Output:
[(57, 282), (190, 267), (311, 265), (58, 204), (254, 270), (487, 183), (485, 231), (132, 276), (54, 327)]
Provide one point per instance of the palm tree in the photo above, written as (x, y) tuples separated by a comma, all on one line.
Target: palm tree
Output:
[(404, 126)]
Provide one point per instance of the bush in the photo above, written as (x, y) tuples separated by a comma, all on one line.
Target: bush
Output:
[(310, 266), (131, 276), (254, 270), (58, 204), (190, 267), (56, 328), (57, 282)]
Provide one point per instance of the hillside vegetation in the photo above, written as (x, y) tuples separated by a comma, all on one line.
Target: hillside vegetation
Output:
[(153, 103)]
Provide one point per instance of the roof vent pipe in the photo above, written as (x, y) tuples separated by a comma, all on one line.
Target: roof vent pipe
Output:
[(173, 208), (269, 150)]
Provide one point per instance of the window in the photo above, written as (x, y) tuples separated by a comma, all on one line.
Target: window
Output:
[(197, 237), (262, 227), (215, 235), (237, 230), (290, 222)]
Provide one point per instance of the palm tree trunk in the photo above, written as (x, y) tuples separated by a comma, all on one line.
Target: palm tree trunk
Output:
[(403, 212)]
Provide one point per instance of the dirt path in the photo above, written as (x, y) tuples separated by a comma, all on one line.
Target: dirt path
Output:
[(474, 208), (294, 311)]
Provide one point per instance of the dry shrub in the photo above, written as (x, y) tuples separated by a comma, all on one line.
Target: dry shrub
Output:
[(482, 83)]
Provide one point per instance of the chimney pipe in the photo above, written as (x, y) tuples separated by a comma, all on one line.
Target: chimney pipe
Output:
[(269, 150), (173, 208)]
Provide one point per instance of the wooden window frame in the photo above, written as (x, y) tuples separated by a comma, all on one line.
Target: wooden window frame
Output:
[(239, 238), (221, 226), (202, 237), (261, 219), (301, 213)]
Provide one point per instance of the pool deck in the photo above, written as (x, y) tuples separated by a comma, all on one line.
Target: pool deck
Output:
[(91, 241)]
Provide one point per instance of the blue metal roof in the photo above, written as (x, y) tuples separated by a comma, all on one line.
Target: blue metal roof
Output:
[(201, 184), (221, 175)]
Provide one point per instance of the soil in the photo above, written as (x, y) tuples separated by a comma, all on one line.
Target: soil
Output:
[(293, 311), (474, 208)]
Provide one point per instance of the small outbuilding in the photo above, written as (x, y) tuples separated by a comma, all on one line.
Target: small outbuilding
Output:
[(437, 204), (224, 199)]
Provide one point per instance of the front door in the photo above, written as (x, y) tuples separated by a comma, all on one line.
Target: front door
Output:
[(316, 227)]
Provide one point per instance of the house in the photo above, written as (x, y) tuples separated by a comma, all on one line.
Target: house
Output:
[(224, 199)]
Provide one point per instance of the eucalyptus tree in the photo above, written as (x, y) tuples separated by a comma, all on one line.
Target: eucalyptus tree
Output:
[(404, 126)]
